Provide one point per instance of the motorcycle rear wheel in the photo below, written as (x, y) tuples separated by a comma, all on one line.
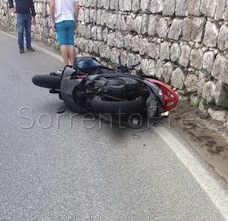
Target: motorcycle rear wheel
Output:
[(101, 104), (47, 81)]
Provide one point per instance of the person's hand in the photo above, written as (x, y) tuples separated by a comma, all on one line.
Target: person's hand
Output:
[(13, 9), (33, 20)]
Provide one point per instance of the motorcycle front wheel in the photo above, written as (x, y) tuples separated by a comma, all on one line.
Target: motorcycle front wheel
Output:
[(47, 81)]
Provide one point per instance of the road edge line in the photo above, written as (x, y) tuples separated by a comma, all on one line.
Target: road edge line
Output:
[(216, 193)]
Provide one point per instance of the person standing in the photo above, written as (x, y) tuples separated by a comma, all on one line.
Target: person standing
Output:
[(25, 17), (64, 14)]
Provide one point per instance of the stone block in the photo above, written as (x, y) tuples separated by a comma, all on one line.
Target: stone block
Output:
[(217, 115), (105, 34), (175, 29), (178, 78), (223, 38), (126, 5), (145, 5), (201, 82), (137, 26), (162, 27), (211, 34), (152, 24), (221, 94), (181, 8), (225, 13), (121, 22), (104, 50), (111, 39), (165, 51), (145, 66), (153, 50), (196, 58), (135, 5), (194, 7), (208, 7), (93, 16), (159, 69), (209, 91), (99, 33), (175, 52), (111, 20), (191, 82), (169, 7), (127, 44), (144, 46), (81, 15), (114, 5), (94, 32), (119, 40), (144, 23), (92, 3), (88, 34), (185, 55), (113, 54), (86, 16), (130, 23), (194, 100), (167, 71), (136, 44), (99, 15), (208, 61), (220, 9), (193, 29), (156, 6), (220, 68)]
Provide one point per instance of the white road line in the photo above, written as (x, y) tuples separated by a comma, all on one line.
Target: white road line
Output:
[(217, 194)]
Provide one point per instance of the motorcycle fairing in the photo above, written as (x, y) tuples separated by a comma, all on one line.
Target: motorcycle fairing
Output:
[(87, 64)]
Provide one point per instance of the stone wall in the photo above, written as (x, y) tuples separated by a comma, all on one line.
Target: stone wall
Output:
[(182, 42)]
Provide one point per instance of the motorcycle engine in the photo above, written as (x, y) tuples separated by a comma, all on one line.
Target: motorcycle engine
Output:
[(120, 88)]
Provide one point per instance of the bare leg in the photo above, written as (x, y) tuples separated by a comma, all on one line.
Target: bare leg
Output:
[(64, 53), (71, 51)]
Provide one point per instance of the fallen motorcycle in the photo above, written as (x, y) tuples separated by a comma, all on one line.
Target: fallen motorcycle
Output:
[(89, 86)]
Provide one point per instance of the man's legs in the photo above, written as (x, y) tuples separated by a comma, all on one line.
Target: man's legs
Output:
[(65, 32), (61, 33), (28, 20), (64, 53), (71, 51), (20, 31), (70, 41)]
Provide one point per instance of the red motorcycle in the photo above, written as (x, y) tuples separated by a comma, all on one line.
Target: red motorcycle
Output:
[(89, 86)]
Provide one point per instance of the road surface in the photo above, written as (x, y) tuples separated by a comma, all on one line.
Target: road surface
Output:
[(71, 167)]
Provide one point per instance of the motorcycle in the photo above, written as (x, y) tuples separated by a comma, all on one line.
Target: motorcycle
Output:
[(89, 86)]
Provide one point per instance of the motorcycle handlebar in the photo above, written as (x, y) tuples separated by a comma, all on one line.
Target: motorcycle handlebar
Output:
[(125, 68)]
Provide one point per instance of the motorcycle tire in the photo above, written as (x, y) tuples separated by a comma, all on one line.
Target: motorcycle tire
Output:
[(101, 104), (47, 81)]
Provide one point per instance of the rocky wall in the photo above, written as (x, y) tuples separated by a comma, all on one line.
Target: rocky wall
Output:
[(182, 42)]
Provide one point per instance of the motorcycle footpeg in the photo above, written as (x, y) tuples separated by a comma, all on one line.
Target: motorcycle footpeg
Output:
[(54, 91)]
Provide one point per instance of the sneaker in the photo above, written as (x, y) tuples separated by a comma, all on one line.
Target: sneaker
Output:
[(30, 49), (21, 50)]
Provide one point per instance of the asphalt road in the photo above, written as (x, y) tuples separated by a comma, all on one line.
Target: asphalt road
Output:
[(70, 167)]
